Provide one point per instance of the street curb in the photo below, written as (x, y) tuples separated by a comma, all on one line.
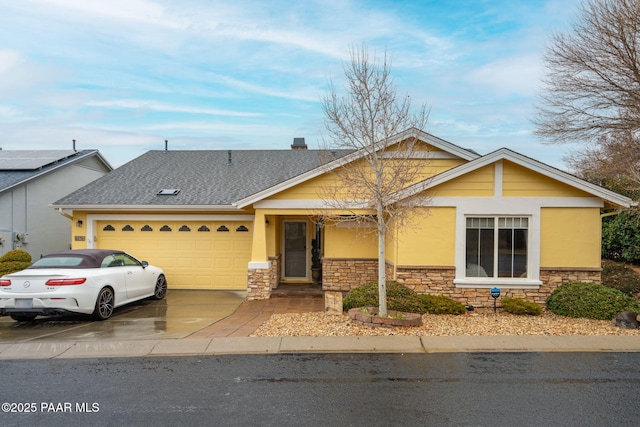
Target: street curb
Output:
[(296, 345)]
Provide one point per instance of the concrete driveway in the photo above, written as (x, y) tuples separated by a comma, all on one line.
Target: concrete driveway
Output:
[(179, 314)]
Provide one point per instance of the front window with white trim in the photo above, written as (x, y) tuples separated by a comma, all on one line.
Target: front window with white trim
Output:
[(497, 247)]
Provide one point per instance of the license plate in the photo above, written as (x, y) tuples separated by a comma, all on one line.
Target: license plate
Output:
[(24, 303)]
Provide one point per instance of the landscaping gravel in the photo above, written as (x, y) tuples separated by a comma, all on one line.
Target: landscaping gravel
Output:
[(474, 323)]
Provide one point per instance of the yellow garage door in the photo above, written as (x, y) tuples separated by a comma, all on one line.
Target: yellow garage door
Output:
[(193, 255)]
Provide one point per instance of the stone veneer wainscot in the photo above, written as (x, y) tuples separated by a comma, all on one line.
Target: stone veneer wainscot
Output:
[(346, 274)]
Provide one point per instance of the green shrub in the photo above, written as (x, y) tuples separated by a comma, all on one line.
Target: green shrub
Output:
[(14, 260), (621, 236), (399, 298), (441, 304), (620, 276), (16, 255), (590, 300), (520, 306), (9, 267)]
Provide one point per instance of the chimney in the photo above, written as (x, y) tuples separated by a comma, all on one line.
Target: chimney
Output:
[(298, 144)]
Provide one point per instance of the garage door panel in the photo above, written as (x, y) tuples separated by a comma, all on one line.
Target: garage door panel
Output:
[(202, 246), (191, 259), (203, 263)]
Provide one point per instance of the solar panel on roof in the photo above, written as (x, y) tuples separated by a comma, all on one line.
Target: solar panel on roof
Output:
[(31, 159)]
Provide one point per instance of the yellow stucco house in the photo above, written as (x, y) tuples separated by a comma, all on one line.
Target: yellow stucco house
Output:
[(249, 220)]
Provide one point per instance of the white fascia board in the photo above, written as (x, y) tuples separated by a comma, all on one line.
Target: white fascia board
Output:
[(198, 208), (519, 159), (563, 177), (54, 169), (328, 167), (445, 145), (104, 160), (91, 154), (284, 185)]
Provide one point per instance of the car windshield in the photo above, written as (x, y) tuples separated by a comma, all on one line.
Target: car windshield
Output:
[(67, 261)]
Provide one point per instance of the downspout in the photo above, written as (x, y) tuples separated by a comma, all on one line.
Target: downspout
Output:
[(13, 204), (13, 244), (26, 202), (64, 214)]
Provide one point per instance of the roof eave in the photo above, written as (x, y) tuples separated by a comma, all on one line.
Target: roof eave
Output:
[(522, 160), (88, 154), (129, 208), (328, 167)]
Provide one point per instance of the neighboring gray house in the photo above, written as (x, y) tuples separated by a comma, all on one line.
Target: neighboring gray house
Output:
[(30, 181)]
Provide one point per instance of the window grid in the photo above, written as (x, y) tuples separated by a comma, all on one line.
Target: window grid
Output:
[(506, 245)]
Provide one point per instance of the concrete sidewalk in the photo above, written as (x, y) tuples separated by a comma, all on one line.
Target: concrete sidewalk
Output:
[(231, 335), (290, 345)]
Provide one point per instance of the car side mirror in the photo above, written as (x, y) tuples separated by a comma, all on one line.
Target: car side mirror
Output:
[(145, 264)]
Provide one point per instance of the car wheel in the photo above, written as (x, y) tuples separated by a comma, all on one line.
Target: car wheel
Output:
[(161, 288), (104, 304), (23, 317)]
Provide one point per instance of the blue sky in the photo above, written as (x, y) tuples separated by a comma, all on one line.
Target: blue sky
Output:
[(124, 75)]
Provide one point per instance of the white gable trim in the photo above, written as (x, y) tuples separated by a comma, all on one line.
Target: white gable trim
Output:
[(506, 154), (61, 165), (452, 149)]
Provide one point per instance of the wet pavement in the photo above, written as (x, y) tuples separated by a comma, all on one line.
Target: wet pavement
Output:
[(251, 314), (179, 315), (189, 323)]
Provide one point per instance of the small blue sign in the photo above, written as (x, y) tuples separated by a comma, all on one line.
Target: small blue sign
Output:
[(495, 292)]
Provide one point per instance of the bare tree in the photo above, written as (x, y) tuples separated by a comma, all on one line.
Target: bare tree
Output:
[(612, 162), (592, 89), (369, 121)]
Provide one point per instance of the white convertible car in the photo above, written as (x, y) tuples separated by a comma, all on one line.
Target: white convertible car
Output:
[(88, 281)]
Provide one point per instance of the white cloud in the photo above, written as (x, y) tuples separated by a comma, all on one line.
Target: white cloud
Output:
[(18, 74), (133, 11), (158, 106), (9, 113), (518, 75), (130, 73)]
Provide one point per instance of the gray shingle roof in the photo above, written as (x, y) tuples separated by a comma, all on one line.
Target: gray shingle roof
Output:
[(21, 166), (203, 177)]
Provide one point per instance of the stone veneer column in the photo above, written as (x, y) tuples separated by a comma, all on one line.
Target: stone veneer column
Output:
[(259, 283), (274, 276)]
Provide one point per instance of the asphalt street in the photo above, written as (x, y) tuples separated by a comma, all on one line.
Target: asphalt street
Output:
[(448, 389)]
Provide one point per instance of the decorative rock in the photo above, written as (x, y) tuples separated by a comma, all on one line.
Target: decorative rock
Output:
[(627, 320), (368, 316)]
